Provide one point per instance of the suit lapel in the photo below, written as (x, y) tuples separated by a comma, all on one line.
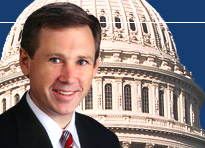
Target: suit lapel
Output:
[(31, 133), (83, 132)]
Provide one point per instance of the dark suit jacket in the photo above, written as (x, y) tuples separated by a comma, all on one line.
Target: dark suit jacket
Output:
[(19, 127)]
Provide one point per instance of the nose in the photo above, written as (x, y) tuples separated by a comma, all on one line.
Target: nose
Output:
[(68, 74)]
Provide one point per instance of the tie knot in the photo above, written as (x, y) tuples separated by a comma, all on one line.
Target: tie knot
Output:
[(67, 139)]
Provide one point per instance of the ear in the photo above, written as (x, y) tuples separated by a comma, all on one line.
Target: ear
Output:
[(95, 67), (24, 61)]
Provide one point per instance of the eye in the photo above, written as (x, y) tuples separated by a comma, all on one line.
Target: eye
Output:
[(55, 60), (82, 62)]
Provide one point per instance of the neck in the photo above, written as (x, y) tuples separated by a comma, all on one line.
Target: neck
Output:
[(61, 119), (63, 122)]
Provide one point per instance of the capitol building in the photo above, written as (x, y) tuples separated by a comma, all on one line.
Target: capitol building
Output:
[(141, 90)]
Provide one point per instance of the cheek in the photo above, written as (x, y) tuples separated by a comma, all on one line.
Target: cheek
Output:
[(86, 75), (85, 81), (43, 75)]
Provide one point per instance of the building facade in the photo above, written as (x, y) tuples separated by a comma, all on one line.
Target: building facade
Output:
[(141, 90)]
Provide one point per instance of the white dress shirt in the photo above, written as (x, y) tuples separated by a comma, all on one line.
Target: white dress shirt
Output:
[(52, 128)]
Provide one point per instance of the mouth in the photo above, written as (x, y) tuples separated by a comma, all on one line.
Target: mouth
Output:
[(65, 92)]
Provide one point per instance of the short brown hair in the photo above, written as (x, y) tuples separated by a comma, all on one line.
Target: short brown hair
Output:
[(56, 16)]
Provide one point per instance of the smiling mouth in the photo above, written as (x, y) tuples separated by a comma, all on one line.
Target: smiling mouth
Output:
[(64, 92)]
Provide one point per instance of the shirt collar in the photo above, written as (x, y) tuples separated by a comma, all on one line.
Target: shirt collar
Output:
[(53, 129)]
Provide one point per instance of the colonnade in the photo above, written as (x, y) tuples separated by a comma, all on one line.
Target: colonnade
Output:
[(186, 104)]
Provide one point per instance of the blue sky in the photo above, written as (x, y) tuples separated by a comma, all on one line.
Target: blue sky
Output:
[(189, 38)]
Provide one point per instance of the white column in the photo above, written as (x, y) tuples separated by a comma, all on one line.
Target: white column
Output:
[(118, 101), (181, 107), (98, 94), (1, 99), (8, 99), (170, 102), (138, 96), (149, 145), (192, 113), (165, 102), (197, 123), (151, 99), (126, 144), (133, 96), (11, 99), (155, 99), (134, 91)]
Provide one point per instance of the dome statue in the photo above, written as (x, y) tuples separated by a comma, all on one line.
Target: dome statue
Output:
[(141, 90)]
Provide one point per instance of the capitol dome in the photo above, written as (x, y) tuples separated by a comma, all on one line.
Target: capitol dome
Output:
[(141, 90)]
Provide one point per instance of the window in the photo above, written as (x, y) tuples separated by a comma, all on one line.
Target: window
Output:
[(164, 37), (20, 35), (17, 98), (161, 103), (89, 99), (132, 25), (108, 96), (145, 100), (187, 111), (3, 105), (12, 40), (175, 107), (127, 97), (172, 43), (103, 21), (117, 22), (144, 25)]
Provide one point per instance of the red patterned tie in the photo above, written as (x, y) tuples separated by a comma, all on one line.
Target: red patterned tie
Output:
[(67, 139)]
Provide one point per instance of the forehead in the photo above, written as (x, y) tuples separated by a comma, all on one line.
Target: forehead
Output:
[(61, 29), (66, 38)]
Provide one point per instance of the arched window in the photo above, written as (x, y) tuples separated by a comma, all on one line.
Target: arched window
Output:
[(127, 97), (145, 100), (20, 35), (103, 21), (164, 36), (17, 98), (117, 22), (161, 103), (144, 25), (108, 96), (187, 114), (132, 24), (12, 40), (172, 44), (89, 99), (3, 105), (175, 107)]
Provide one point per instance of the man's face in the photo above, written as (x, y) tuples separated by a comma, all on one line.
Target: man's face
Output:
[(61, 70)]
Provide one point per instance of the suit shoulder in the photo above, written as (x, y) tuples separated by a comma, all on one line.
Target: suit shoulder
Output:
[(90, 123), (8, 126), (94, 131), (7, 116)]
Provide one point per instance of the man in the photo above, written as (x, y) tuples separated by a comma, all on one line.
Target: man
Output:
[(59, 54)]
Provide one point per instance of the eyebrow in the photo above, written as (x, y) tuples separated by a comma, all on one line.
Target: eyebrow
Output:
[(78, 57), (85, 57), (55, 54)]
